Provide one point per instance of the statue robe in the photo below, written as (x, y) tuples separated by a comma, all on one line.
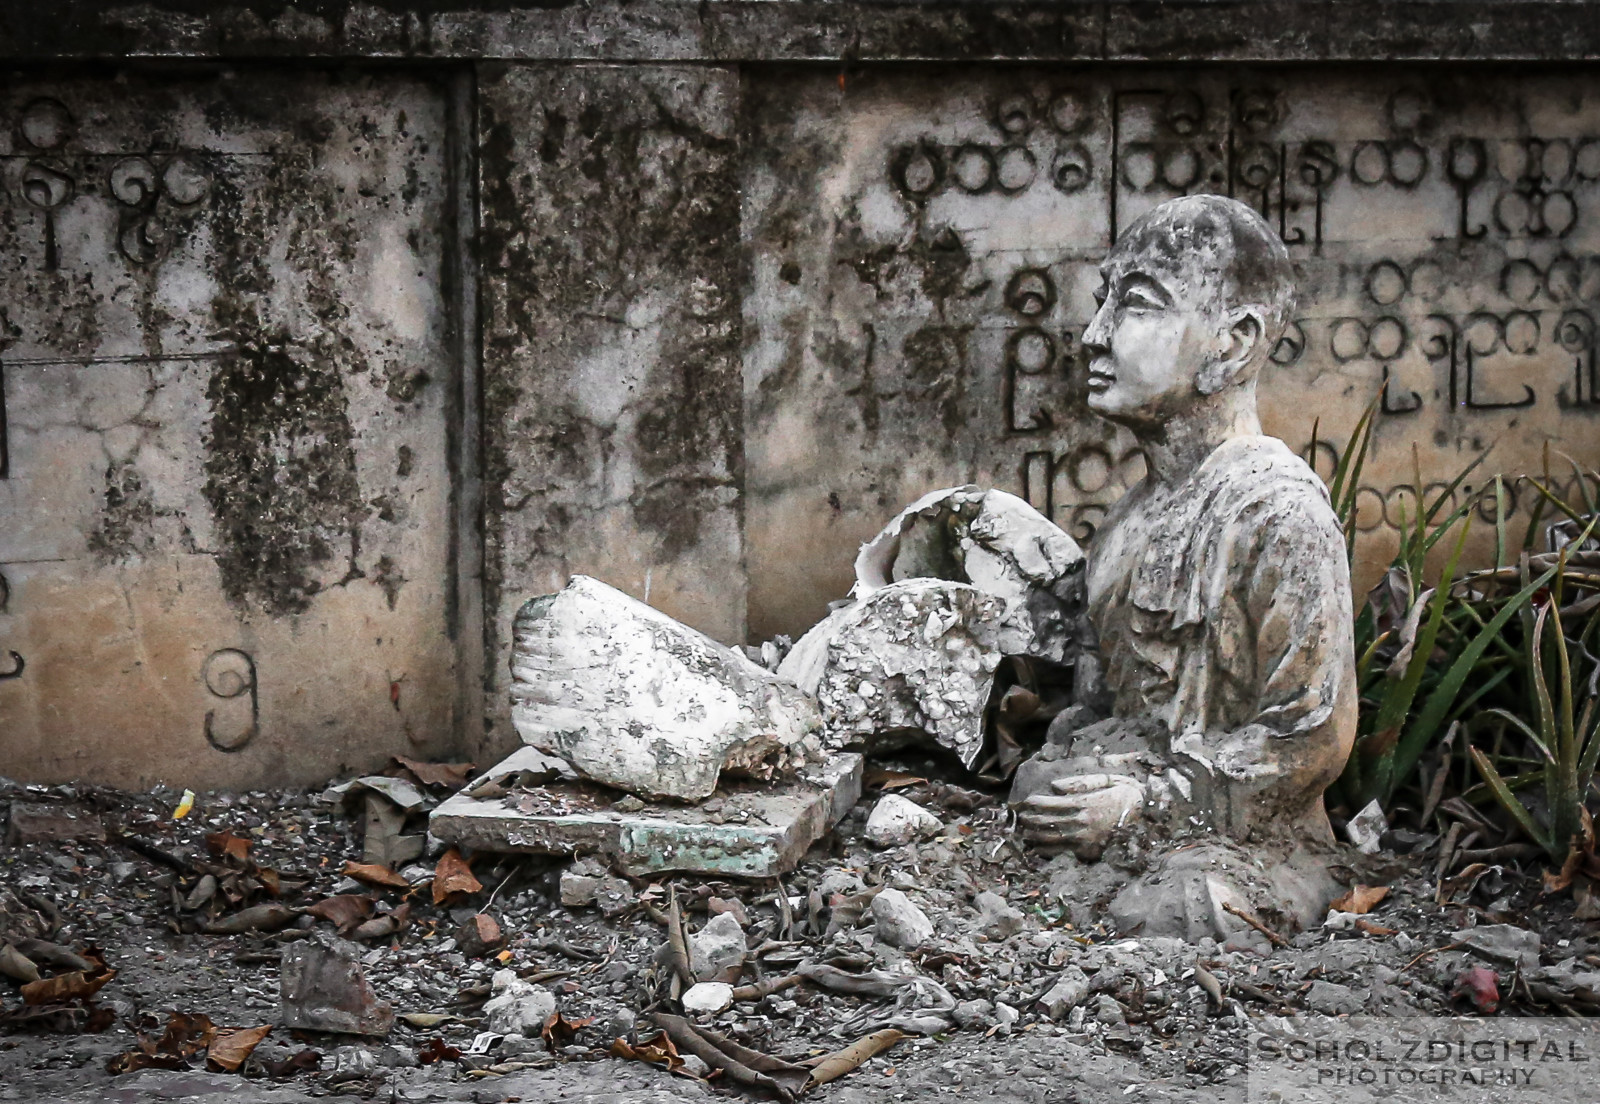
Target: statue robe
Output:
[(1222, 608)]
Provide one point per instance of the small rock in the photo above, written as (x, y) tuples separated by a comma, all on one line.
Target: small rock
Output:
[(515, 1046), (1333, 1000), (580, 883), (1481, 986), (997, 919), (35, 823), (896, 821), (324, 988), (898, 922), (122, 872), (517, 1007), (398, 1057), (1366, 828), (1502, 943), (717, 947), (351, 1063), (696, 1065), (974, 1014), (614, 896), (1066, 994), (708, 998), (479, 935), (1004, 1017), (628, 804), (1108, 1011)]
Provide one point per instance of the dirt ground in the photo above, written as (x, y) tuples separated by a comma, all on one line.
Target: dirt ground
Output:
[(1157, 1020)]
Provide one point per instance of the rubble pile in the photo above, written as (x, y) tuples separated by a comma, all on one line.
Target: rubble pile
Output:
[(952, 950)]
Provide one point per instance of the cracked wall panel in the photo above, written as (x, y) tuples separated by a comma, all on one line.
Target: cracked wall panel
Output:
[(224, 356), (612, 380)]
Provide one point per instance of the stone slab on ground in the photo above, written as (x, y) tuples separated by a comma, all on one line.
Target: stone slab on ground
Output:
[(747, 829), (36, 823)]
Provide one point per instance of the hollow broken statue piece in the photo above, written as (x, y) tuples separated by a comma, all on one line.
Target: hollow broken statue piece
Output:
[(633, 699)]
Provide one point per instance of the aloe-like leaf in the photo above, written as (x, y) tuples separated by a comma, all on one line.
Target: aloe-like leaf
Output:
[(1508, 800), (1523, 727)]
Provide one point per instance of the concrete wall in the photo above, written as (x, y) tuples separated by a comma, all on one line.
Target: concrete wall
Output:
[(332, 332)]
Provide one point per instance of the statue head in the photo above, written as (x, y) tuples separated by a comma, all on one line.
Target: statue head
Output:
[(1196, 295)]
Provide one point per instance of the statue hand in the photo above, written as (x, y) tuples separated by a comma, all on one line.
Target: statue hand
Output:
[(1083, 811)]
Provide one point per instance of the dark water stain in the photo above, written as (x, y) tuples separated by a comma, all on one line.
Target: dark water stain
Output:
[(127, 514), (280, 476)]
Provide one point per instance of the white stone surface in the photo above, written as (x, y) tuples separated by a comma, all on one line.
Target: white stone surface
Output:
[(718, 946), (517, 1007), (636, 700), (899, 922), (708, 998), (896, 821)]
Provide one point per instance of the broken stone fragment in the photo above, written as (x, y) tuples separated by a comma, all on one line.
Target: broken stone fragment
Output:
[(1066, 994), (325, 989), (896, 821), (900, 923), (999, 544), (633, 699), (38, 823), (580, 883), (716, 948), (973, 1014), (1502, 943), (1365, 830), (479, 935), (997, 919), (708, 998), (914, 659), (517, 1007)]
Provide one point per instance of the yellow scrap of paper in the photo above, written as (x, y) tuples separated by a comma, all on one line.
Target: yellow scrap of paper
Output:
[(185, 807)]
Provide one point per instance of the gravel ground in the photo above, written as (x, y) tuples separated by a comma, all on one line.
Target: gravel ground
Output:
[(1144, 1027)]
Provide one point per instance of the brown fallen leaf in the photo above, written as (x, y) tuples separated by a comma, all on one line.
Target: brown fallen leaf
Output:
[(232, 1045), (185, 1036), (437, 1050), (832, 1066), (373, 874), (301, 1061), (269, 917), (225, 844), (449, 775), (344, 911), (453, 876), (381, 927), (657, 1051), (558, 1030), (77, 985), (881, 778), (1368, 927), (1361, 899), (16, 965)]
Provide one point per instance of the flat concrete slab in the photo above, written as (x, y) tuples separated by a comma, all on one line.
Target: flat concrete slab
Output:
[(747, 828)]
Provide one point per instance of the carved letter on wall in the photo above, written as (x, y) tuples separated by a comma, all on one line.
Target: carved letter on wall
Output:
[(230, 673)]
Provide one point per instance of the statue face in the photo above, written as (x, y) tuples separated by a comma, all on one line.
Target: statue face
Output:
[(1155, 329)]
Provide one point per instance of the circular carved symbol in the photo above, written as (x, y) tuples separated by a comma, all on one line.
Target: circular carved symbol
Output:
[(45, 124), (1071, 170)]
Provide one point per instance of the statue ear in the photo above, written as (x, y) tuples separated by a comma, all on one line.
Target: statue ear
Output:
[(1237, 356)]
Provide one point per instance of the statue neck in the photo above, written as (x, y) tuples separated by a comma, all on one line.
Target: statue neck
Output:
[(1176, 447)]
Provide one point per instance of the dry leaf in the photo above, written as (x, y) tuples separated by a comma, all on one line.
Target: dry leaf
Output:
[(232, 1045), (227, 845), (841, 1062), (343, 911), (1361, 899), (425, 1019), (299, 1062), (437, 1050), (449, 775), (558, 1030), (1370, 928), (381, 927), (373, 874), (658, 1050), (77, 985), (453, 876)]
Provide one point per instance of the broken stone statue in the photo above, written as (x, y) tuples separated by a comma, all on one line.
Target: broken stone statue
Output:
[(717, 759), (961, 579), (1218, 701)]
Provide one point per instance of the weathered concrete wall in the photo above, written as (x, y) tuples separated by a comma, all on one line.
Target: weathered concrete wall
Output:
[(923, 260), (611, 341), (731, 313), (224, 522)]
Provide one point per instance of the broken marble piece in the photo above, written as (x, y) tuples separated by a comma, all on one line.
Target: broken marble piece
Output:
[(633, 699), (759, 830), (708, 998), (517, 1007), (912, 659), (895, 821), (997, 918), (898, 922), (999, 544), (324, 988), (1502, 943), (716, 948), (1365, 830), (1069, 991)]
